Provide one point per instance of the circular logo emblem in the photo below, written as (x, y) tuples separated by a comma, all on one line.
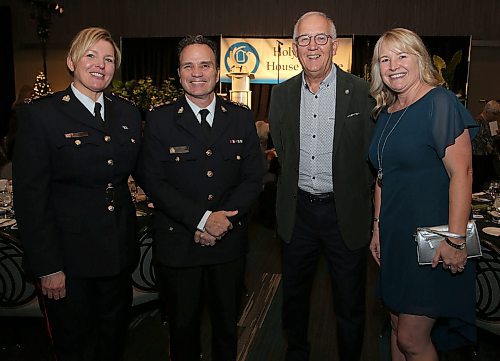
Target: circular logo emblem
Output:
[(241, 57)]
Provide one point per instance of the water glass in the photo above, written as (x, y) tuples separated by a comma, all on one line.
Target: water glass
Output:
[(133, 189), (5, 201)]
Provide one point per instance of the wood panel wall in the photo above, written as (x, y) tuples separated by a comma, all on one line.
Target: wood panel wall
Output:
[(151, 18)]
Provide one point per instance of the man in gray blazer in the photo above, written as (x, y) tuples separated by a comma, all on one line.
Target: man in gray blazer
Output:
[(321, 128)]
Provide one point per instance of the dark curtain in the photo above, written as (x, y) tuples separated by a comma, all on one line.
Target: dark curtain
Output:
[(153, 57), (7, 66), (261, 96)]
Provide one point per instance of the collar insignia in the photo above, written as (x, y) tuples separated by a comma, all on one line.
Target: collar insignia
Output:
[(66, 98), (181, 110), (224, 110)]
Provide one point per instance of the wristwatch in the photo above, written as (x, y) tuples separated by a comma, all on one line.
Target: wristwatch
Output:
[(454, 245)]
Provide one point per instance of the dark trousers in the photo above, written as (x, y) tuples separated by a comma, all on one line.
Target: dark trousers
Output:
[(316, 232), (90, 323), (187, 290)]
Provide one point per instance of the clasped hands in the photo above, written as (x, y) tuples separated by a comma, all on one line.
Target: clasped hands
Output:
[(216, 227)]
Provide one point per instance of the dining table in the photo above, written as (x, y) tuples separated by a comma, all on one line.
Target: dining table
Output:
[(486, 213), (18, 296)]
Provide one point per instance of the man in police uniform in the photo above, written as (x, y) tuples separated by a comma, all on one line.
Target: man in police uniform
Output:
[(202, 168)]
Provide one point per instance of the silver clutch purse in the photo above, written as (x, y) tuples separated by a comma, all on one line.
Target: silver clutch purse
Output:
[(429, 238)]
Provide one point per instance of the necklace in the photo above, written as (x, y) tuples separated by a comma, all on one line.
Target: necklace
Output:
[(380, 152)]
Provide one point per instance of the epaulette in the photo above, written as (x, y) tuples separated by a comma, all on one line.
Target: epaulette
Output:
[(243, 105), (159, 105), (36, 98), (119, 96)]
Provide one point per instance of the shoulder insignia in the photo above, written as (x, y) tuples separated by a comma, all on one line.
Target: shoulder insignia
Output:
[(155, 106), (242, 105), (119, 96)]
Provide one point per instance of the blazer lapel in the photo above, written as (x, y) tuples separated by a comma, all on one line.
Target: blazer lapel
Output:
[(74, 109), (291, 116), (343, 94)]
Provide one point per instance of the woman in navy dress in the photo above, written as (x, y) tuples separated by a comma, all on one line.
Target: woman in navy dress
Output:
[(421, 150)]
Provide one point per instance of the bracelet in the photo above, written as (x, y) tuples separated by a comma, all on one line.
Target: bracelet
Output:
[(454, 245)]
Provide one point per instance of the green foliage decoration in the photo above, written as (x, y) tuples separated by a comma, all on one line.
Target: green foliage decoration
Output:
[(144, 94)]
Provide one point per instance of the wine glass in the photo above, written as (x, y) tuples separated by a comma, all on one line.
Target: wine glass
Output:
[(5, 201)]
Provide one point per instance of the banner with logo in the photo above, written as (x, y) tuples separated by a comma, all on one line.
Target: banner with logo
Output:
[(270, 60)]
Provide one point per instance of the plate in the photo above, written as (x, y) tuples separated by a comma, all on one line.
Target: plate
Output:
[(492, 231), (494, 213)]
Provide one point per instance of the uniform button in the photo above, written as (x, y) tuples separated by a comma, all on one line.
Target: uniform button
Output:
[(177, 159), (133, 140), (210, 174), (110, 162), (78, 142), (210, 197), (111, 208), (209, 152), (107, 138), (238, 157)]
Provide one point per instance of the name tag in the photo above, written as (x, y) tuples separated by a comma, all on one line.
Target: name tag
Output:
[(179, 150), (76, 135)]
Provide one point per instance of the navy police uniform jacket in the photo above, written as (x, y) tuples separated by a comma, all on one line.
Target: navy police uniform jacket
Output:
[(72, 202), (185, 173)]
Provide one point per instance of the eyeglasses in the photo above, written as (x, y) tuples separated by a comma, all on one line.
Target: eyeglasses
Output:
[(319, 39)]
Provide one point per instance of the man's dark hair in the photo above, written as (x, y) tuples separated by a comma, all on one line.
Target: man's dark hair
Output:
[(198, 39)]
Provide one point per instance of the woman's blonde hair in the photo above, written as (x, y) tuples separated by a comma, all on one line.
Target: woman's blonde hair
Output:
[(88, 37), (400, 40)]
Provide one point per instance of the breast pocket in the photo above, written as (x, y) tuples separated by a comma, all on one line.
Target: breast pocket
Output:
[(178, 167), (127, 149), (72, 152)]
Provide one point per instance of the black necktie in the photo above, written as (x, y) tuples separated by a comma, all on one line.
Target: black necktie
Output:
[(97, 112), (204, 123)]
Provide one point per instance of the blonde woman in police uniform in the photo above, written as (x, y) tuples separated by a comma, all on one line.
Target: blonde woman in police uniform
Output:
[(74, 153)]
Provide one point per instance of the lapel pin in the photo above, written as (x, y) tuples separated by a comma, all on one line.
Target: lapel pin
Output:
[(66, 98), (181, 110), (346, 91), (224, 110)]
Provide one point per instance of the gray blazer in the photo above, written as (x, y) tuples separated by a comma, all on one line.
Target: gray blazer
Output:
[(352, 178)]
